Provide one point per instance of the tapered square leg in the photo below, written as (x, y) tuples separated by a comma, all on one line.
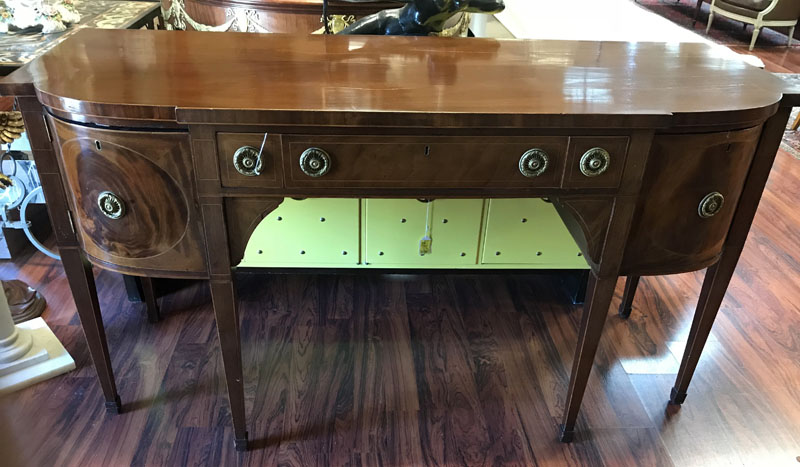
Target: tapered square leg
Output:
[(150, 300), (241, 444), (598, 296), (226, 313), (566, 436), (114, 406), (676, 397), (719, 275), (81, 282), (627, 297)]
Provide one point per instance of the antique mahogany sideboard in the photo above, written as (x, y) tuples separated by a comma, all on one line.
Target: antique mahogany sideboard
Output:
[(160, 151)]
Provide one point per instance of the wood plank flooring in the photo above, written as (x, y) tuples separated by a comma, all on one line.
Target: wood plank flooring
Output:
[(433, 369)]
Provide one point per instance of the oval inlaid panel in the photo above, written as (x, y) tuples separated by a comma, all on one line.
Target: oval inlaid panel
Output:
[(668, 234), (156, 212)]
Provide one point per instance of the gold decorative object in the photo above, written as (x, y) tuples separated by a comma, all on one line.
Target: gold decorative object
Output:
[(5, 182), (533, 163), (459, 29), (338, 22), (111, 205), (710, 205), (236, 19), (594, 162), (246, 161), (25, 303), (11, 126), (315, 162)]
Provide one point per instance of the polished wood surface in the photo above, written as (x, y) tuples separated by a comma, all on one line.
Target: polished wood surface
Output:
[(151, 175), (271, 161), (682, 170), (618, 100), (396, 81), (443, 162)]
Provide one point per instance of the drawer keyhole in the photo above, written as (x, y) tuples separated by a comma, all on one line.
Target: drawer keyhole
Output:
[(427, 151), (98, 145)]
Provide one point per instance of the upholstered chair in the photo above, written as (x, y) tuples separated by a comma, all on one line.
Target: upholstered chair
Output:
[(759, 13)]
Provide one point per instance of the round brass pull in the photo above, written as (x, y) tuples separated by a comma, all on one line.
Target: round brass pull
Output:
[(710, 205), (315, 162), (246, 161), (111, 205), (594, 162), (533, 163)]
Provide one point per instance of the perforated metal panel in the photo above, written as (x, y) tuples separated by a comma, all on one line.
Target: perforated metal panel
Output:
[(395, 227), (528, 232), (316, 232), (387, 232)]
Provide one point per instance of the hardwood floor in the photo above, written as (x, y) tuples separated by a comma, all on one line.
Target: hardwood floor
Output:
[(433, 369)]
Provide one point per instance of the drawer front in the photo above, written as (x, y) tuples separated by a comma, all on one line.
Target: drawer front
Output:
[(132, 196), (315, 232), (433, 162), (238, 153), (690, 192), (393, 229), (528, 232), (595, 161)]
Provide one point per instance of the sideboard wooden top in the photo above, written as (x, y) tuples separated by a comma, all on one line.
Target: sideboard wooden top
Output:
[(396, 81)]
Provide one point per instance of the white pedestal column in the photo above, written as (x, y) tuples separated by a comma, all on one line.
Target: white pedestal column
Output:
[(477, 24), (29, 352)]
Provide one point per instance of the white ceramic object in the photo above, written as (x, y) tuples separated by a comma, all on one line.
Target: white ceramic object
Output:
[(51, 15), (29, 352)]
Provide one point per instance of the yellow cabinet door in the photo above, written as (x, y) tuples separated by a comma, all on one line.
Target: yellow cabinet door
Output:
[(528, 233), (314, 232), (394, 228)]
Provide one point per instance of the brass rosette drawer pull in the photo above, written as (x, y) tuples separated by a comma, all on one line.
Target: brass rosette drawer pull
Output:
[(533, 163), (246, 161), (111, 205), (595, 162), (315, 162), (710, 205)]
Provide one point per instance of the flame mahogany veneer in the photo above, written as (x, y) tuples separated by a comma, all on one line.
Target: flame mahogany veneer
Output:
[(154, 117)]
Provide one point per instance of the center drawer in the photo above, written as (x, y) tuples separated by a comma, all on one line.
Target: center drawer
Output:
[(409, 161)]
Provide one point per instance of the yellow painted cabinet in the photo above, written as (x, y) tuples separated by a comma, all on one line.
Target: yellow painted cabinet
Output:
[(315, 232), (394, 228), (523, 232)]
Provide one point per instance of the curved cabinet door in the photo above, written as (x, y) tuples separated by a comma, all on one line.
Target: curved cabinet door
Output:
[(689, 194), (132, 196)]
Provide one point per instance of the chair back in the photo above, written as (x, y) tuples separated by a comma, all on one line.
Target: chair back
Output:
[(785, 10)]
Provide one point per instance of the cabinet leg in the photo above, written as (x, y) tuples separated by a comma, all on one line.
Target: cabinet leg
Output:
[(575, 285), (151, 303), (719, 275), (223, 297), (598, 299), (697, 12), (81, 282), (714, 287), (627, 297)]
